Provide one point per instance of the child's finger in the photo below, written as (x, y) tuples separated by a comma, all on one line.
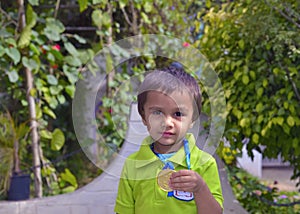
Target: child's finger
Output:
[(181, 173)]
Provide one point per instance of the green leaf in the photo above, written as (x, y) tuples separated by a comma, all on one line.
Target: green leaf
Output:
[(30, 17), (13, 76), (56, 55), (286, 129), (145, 18), (55, 24), (96, 17), (34, 2), (290, 95), (83, 5), (46, 134), (2, 51), (245, 79), (241, 44), (32, 92), (53, 29), (55, 90), (72, 77), (71, 49), (265, 83), (14, 54), (50, 57), (69, 177), (237, 75), (34, 49), (259, 107), (279, 120), (49, 112), (260, 92), (70, 89), (290, 121), (25, 37), (292, 109), (51, 34), (255, 138), (244, 122), (30, 63), (58, 140), (237, 113), (61, 98), (80, 39), (253, 75), (52, 79), (68, 189), (148, 6), (73, 61), (296, 143), (97, 2), (11, 42), (106, 20), (276, 71), (260, 119), (123, 3), (39, 112)]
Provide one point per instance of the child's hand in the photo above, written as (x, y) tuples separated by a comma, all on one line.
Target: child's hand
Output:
[(186, 180)]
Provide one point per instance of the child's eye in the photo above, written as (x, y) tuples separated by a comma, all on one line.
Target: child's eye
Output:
[(157, 112), (178, 114)]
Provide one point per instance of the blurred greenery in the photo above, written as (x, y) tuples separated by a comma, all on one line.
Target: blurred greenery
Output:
[(253, 46), (255, 49)]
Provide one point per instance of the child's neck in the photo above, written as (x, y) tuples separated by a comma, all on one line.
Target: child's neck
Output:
[(163, 149)]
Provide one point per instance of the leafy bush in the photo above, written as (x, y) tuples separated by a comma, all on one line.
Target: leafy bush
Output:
[(258, 198)]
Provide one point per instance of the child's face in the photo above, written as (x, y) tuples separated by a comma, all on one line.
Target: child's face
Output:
[(168, 117)]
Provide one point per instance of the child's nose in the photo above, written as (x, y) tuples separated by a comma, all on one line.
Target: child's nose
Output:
[(168, 121)]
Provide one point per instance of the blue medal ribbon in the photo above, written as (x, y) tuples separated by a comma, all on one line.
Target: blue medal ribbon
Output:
[(187, 153), (169, 165)]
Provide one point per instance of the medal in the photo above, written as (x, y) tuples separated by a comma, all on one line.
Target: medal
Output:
[(163, 179)]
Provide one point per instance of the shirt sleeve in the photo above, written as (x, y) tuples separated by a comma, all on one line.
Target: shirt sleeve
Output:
[(125, 200), (212, 179)]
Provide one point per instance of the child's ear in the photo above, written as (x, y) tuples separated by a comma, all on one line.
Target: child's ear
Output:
[(144, 122), (143, 119)]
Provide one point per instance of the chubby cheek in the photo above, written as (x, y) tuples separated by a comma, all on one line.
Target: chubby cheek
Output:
[(154, 125), (153, 122)]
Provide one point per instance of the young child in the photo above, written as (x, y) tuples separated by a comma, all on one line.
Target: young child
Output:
[(168, 174)]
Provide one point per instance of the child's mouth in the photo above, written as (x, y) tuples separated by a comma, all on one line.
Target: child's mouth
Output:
[(167, 134)]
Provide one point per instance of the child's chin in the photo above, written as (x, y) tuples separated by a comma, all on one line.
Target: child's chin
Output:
[(167, 141)]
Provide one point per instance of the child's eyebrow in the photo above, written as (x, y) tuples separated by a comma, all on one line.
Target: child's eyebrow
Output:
[(182, 108), (154, 107)]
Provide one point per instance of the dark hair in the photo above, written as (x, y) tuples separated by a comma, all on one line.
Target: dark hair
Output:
[(168, 80)]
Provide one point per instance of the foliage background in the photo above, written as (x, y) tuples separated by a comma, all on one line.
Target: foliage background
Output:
[(253, 45)]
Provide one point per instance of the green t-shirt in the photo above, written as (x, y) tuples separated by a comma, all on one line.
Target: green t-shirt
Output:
[(139, 192)]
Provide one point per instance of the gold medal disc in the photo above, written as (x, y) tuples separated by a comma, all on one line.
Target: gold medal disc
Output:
[(163, 179)]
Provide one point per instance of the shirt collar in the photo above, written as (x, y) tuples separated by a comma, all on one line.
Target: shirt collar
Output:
[(145, 156)]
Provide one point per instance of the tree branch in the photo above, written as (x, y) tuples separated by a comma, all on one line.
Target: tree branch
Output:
[(287, 17), (8, 17), (297, 94), (134, 19), (32, 112), (126, 16), (56, 8)]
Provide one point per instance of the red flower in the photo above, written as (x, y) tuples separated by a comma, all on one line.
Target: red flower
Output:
[(54, 66), (186, 44), (56, 47)]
